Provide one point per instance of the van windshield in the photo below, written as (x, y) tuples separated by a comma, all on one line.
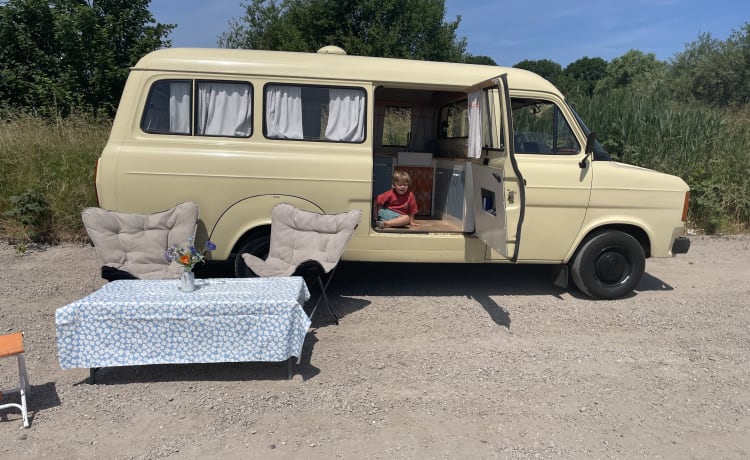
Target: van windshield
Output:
[(599, 153)]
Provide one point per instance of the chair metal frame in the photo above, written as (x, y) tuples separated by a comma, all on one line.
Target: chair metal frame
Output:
[(287, 216), (12, 345)]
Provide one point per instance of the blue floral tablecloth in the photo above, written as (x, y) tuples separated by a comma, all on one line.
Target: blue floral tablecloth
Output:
[(135, 322)]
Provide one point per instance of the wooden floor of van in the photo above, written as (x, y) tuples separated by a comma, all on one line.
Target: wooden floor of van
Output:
[(426, 225)]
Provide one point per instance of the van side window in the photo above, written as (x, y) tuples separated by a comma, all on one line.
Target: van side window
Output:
[(224, 109), (168, 108), (221, 108), (317, 113), (540, 127), (454, 120), (396, 126)]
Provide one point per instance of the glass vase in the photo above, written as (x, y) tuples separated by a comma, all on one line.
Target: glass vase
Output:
[(187, 281)]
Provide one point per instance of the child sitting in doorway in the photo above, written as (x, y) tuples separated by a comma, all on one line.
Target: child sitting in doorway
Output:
[(396, 207)]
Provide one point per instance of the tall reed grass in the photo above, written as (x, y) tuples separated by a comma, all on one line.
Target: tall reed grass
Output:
[(55, 160), (709, 148)]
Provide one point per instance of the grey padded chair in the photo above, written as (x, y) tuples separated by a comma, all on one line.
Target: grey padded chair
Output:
[(306, 243), (132, 246)]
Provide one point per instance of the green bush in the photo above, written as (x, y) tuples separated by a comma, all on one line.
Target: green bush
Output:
[(32, 211)]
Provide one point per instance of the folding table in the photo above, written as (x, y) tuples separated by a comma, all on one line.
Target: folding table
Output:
[(136, 322)]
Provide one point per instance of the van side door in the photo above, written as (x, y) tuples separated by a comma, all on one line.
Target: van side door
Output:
[(498, 186)]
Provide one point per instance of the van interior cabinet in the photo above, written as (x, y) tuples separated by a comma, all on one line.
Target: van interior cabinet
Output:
[(451, 188), (421, 186), (449, 193)]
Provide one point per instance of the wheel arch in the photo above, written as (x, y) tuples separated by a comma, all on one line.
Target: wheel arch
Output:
[(636, 231), (248, 217)]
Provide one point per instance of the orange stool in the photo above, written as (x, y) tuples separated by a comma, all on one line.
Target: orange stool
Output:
[(12, 345)]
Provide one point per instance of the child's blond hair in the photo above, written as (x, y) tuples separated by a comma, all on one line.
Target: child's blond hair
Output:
[(401, 177)]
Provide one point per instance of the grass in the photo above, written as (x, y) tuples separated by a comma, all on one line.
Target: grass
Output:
[(52, 160)]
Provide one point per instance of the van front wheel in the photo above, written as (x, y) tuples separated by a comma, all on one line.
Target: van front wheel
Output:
[(608, 265), (257, 245)]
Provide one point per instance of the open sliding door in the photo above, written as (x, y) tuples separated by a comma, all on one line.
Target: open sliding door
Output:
[(498, 185)]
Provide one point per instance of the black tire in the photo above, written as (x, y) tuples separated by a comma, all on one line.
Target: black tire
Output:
[(257, 245), (608, 265)]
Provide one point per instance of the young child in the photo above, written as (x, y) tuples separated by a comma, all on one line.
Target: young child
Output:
[(397, 206)]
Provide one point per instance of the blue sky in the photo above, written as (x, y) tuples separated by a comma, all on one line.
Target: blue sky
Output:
[(510, 31)]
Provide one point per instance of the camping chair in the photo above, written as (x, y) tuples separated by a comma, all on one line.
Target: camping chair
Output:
[(305, 242), (12, 345), (132, 246)]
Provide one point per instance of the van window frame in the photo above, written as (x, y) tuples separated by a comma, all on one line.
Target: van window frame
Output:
[(404, 107), (443, 128), (145, 109), (558, 116), (318, 86), (194, 106)]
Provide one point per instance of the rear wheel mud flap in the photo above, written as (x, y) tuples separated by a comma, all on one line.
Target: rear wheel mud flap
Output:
[(561, 280)]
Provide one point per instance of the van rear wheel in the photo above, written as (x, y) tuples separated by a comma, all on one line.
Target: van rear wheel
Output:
[(608, 265), (257, 245)]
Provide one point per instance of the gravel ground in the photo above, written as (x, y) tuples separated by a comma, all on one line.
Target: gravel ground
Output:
[(429, 361)]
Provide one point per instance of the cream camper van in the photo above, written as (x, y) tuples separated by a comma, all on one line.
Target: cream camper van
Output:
[(502, 167)]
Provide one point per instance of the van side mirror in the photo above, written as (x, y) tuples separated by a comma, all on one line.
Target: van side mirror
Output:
[(590, 142)]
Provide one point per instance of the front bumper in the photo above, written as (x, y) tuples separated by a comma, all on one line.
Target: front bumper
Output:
[(681, 245)]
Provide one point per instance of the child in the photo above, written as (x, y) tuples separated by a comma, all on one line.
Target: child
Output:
[(396, 207)]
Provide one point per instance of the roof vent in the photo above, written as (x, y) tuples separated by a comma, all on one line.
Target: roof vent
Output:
[(331, 49)]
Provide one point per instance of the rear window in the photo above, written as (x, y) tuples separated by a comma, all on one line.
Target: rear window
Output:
[(200, 108)]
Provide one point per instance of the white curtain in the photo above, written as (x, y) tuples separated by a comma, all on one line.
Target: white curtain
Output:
[(346, 115), (475, 124), (225, 109), (179, 107), (284, 112)]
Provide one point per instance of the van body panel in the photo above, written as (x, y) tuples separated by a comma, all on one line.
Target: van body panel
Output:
[(380, 247), (498, 195), (625, 194), (557, 191), (401, 73), (558, 197), (246, 215)]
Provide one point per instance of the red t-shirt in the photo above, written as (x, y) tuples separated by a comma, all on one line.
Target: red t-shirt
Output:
[(402, 204)]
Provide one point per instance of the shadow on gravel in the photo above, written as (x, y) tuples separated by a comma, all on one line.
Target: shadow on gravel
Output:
[(652, 283), (474, 281), (224, 372), (480, 282), (39, 398)]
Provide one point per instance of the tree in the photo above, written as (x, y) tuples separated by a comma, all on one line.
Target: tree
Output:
[(479, 60), (584, 73), (714, 71), (64, 55), (545, 68), (634, 69), (412, 29)]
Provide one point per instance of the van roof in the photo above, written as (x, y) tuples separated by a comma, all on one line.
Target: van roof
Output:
[(395, 73)]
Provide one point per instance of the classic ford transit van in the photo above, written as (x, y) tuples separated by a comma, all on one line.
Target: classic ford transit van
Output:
[(502, 167)]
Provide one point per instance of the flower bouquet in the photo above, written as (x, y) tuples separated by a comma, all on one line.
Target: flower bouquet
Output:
[(188, 257)]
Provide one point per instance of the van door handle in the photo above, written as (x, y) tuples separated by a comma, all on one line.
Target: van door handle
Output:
[(511, 196)]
